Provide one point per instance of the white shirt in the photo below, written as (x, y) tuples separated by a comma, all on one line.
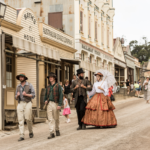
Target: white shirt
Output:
[(102, 84), (65, 101)]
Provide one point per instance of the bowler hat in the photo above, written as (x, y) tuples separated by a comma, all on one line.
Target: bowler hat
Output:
[(52, 74), (79, 71), (22, 75)]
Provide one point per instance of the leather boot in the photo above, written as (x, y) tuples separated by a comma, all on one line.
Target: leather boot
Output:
[(79, 128), (83, 126), (31, 135), (51, 136), (20, 139), (57, 133)]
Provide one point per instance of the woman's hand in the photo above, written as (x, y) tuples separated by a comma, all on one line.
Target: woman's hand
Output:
[(100, 88)]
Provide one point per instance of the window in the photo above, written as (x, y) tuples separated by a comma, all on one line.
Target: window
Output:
[(107, 37), (82, 56), (55, 20), (81, 21), (9, 70), (95, 30), (89, 27), (90, 59)]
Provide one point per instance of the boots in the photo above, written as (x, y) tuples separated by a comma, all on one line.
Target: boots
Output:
[(51, 136), (31, 135), (79, 128), (57, 133), (83, 126), (20, 139)]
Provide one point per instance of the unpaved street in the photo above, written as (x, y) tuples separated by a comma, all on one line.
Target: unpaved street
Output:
[(132, 132)]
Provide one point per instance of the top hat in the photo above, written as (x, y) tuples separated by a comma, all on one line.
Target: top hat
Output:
[(52, 74), (100, 74), (22, 75), (79, 71)]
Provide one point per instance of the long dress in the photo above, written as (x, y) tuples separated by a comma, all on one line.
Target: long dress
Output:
[(147, 93), (99, 110)]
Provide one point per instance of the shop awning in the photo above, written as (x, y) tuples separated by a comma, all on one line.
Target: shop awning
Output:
[(35, 48), (71, 61)]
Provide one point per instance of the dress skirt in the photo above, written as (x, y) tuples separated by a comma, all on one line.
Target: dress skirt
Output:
[(99, 112)]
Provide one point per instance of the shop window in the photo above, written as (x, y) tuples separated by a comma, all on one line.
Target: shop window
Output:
[(67, 72), (9, 70)]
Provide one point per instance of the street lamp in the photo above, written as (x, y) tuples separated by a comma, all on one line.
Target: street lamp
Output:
[(2, 9)]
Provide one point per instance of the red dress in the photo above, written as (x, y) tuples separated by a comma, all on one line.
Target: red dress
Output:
[(110, 91)]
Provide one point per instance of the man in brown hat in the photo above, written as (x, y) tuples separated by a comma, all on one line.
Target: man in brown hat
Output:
[(80, 86), (24, 94), (53, 99)]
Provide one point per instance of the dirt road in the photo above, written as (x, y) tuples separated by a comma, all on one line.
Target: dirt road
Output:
[(132, 132)]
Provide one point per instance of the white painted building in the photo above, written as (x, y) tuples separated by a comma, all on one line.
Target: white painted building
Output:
[(90, 22)]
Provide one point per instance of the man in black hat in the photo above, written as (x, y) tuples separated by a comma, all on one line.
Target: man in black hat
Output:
[(80, 86), (53, 99), (24, 94)]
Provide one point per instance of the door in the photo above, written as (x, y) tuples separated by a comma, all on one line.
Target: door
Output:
[(10, 102)]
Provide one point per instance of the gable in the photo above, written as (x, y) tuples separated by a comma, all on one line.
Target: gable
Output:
[(118, 51)]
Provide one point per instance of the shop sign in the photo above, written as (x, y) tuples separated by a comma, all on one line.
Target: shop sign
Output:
[(90, 50), (57, 36), (119, 63), (30, 16)]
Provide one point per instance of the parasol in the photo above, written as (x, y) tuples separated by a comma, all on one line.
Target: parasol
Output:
[(107, 76)]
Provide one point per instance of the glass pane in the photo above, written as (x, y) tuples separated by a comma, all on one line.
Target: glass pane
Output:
[(10, 60), (7, 68), (7, 60), (10, 67), (121, 72), (10, 83), (117, 72), (10, 75), (7, 76), (7, 83)]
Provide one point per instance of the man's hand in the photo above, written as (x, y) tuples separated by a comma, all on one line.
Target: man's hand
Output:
[(24, 93), (18, 94), (83, 86), (77, 86), (46, 102), (58, 107)]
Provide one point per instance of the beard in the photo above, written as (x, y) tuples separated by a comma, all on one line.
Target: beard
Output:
[(81, 78), (22, 81)]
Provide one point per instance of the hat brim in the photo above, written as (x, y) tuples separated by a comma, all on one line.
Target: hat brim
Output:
[(100, 74), (17, 77), (51, 76)]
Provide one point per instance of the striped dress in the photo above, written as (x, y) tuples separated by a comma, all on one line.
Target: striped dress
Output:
[(147, 93)]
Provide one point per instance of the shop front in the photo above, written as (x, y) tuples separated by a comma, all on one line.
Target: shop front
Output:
[(35, 49), (120, 63)]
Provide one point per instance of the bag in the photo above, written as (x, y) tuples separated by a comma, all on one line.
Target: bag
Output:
[(112, 98), (145, 88), (45, 106)]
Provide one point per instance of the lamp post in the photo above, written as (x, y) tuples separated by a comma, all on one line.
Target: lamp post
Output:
[(2, 59)]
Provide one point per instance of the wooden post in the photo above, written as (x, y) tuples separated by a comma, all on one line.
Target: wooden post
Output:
[(37, 86), (58, 74), (3, 77)]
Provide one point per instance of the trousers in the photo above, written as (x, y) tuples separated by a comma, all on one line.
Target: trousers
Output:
[(24, 111), (80, 108), (53, 116)]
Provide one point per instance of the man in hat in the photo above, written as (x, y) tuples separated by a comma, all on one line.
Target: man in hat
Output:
[(24, 94), (53, 99), (80, 86)]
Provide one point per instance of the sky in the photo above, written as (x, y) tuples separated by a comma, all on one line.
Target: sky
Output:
[(132, 19)]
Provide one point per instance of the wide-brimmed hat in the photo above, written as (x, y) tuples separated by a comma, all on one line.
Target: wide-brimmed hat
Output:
[(22, 75), (52, 74), (100, 74), (79, 71)]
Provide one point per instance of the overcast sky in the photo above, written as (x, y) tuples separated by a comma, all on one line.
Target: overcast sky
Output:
[(132, 19)]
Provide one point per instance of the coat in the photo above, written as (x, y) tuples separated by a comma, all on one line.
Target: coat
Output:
[(84, 91)]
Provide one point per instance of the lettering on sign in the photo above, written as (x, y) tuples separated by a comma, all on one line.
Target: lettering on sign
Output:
[(29, 38), (30, 16), (57, 36), (120, 63), (90, 49)]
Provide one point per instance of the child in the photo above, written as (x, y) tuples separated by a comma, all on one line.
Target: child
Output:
[(136, 86), (61, 86), (66, 110), (131, 86)]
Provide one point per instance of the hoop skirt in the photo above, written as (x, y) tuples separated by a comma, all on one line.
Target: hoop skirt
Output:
[(99, 112)]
